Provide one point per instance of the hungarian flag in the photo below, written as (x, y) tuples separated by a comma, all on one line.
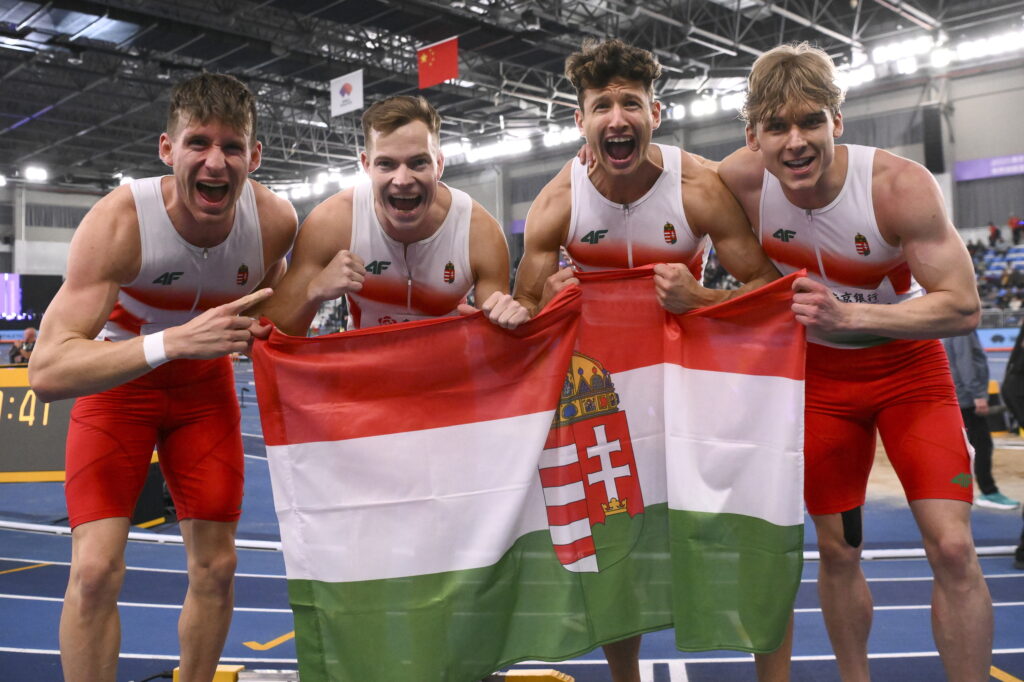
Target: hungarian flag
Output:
[(454, 497), (438, 62)]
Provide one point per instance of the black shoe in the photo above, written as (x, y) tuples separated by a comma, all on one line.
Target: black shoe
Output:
[(1018, 558)]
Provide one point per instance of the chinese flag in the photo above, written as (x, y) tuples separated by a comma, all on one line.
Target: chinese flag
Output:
[(438, 62)]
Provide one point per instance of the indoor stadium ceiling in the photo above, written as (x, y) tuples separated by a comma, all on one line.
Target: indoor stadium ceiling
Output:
[(83, 85)]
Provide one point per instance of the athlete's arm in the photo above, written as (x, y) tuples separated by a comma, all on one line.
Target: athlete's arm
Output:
[(547, 223), (712, 210), (104, 253), (910, 212), (742, 173), (488, 258), (279, 227), (322, 268)]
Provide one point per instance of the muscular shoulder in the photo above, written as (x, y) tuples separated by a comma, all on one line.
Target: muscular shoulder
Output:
[(550, 212), (329, 224), (481, 219), (278, 220), (905, 195), (486, 239), (107, 240), (742, 171)]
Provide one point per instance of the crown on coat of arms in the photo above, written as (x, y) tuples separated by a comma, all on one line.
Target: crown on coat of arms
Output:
[(615, 506), (587, 392)]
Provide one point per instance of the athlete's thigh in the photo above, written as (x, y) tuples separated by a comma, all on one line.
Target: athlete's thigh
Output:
[(839, 450), (201, 451), (928, 449), (109, 448)]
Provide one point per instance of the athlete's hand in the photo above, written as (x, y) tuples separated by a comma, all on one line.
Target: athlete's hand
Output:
[(981, 406), (676, 288), (216, 332), (816, 308), (586, 156), (504, 311), (343, 275), (565, 277)]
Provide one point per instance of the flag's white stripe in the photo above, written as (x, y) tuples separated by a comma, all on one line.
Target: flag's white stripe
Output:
[(556, 457), (564, 494), (739, 448), (411, 503), (587, 564), (570, 532)]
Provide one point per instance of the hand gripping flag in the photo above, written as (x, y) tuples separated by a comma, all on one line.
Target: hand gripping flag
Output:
[(454, 498)]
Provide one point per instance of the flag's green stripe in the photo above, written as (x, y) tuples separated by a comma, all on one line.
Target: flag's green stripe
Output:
[(527, 606), (736, 579)]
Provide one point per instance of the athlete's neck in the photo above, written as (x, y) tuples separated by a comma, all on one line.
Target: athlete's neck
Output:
[(625, 188)]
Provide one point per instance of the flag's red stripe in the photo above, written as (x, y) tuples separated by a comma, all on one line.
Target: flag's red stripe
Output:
[(575, 551), (555, 476), (567, 513), (438, 373), (620, 310), (411, 376)]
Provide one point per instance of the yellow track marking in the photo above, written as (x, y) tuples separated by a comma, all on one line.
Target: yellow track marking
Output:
[(23, 568), (1003, 676), (272, 643)]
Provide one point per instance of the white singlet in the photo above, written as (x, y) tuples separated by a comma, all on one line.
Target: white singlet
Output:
[(653, 229), (839, 245), (417, 281), (177, 280)]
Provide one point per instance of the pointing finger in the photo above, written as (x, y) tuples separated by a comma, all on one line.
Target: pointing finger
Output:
[(248, 301)]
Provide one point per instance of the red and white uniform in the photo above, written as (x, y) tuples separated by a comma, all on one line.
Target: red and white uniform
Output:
[(606, 235), (839, 245), (418, 281), (177, 281), (859, 383), (186, 408)]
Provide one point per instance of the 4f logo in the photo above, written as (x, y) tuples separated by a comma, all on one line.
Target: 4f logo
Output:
[(378, 266), (167, 278), (593, 237), (784, 235)]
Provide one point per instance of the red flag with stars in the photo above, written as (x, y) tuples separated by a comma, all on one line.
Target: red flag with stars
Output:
[(438, 62)]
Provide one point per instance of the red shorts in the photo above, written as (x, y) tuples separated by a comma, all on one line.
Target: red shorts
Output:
[(905, 391), (189, 411)]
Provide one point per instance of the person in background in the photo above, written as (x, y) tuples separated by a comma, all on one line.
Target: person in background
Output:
[(21, 350), (969, 366)]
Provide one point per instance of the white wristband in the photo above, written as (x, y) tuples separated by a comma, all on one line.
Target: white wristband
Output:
[(153, 349)]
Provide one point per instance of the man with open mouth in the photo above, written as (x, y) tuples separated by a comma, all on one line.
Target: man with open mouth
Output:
[(159, 273), (403, 246), (637, 203), (887, 275)]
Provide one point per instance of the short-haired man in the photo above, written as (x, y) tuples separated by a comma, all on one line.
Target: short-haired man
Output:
[(159, 273), (637, 203), (404, 246), (21, 350), (887, 275)]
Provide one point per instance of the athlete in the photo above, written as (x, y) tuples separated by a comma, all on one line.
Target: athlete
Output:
[(159, 274), (887, 275), (404, 246), (637, 203)]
